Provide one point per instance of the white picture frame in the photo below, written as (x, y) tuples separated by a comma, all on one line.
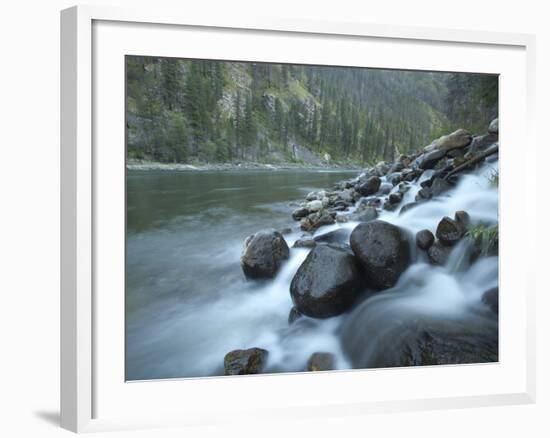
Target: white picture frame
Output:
[(83, 175)]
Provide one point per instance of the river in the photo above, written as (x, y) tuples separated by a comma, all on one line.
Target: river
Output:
[(188, 303)]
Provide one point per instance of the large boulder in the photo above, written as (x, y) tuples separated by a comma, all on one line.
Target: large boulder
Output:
[(263, 254), (401, 341), (382, 250), (327, 283), (456, 140), (369, 187), (239, 362), (340, 235), (321, 362)]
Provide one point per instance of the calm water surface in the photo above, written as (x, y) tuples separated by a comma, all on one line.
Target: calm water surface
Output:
[(187, 302)]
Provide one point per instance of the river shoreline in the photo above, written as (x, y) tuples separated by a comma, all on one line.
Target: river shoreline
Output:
[(138, 165)]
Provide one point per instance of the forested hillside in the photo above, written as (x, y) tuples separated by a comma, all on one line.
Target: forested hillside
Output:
[(213, 111)]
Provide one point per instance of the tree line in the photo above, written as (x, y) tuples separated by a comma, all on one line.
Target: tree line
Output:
[(182, 110)]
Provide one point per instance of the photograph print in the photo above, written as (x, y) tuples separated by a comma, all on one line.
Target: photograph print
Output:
[(285, 218)]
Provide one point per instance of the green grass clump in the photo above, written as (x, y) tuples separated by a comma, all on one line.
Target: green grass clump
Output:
[(485, 238), (493, 178)]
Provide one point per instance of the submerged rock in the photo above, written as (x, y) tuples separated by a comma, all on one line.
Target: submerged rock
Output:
[(424, 239), (382, 250), (321, 362), (490, 298), (293, 315), (240, 362), (327, 283), (304, 243), (407, 207), (438, 253), (418, 342), (263, 254)]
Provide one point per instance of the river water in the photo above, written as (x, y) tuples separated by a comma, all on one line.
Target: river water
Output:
[(188, 303)]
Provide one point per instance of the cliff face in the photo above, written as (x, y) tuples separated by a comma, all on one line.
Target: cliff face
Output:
[(214, 111)]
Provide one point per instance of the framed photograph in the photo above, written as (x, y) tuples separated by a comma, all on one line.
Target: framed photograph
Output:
[(269, 207)]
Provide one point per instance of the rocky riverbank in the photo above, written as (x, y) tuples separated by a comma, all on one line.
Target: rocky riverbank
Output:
[(143, 165), (366, 257)]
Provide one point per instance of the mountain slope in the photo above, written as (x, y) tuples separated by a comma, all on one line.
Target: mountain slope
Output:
[(215, 111)]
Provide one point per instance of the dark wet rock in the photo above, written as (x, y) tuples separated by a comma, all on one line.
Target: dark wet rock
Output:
[(293, 315), (341, 219), (341, 235), (239, 362), (493, 127), (403, 187), (395, 198), (407, 207), (396, 167), (423, 194), (394, 178), (449, 231), (263, 254), (321, 362), (490, 298), (371, 202), (300, 213), (418, 342), (463, 218), (315, 220), (284, 231), (438, 253), (424, 239), (382, 250), (480, 143), (439, 186), (429, 159), (304, 243), (389, 206), (369, 187), (327, 283), (411, 176)]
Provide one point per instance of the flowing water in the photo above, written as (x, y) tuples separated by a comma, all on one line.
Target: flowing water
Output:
[(188, 304)]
